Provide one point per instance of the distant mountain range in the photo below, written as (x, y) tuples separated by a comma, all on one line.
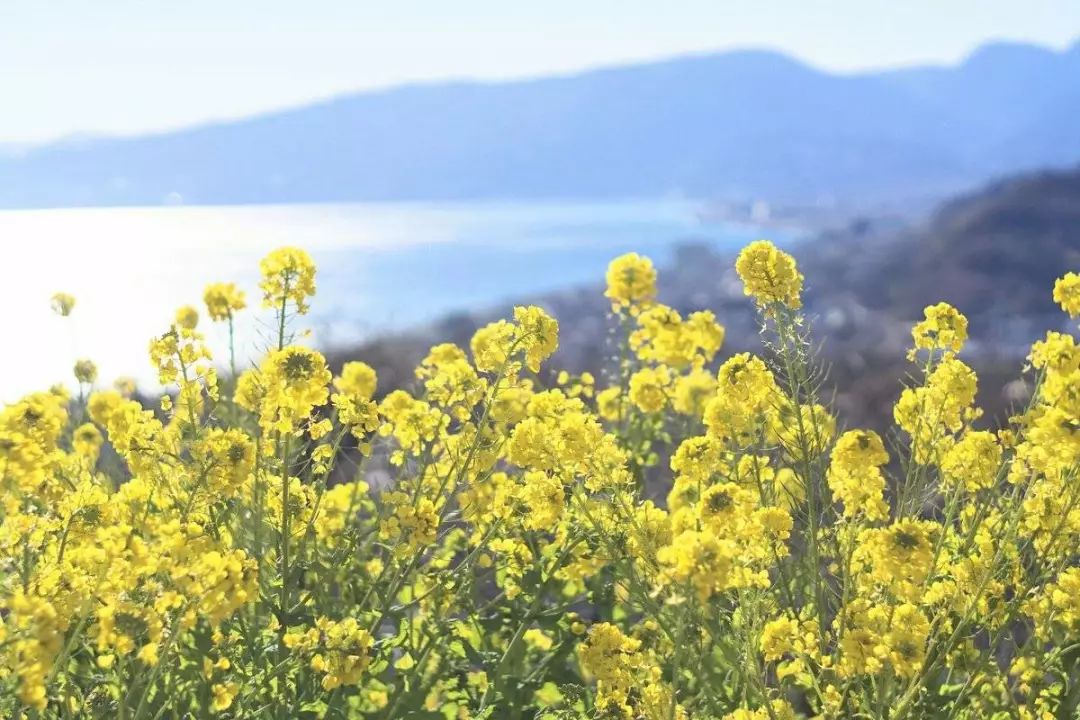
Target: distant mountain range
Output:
[(735, 125)]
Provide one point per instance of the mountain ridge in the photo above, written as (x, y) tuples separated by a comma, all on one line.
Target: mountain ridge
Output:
[(740, 124)]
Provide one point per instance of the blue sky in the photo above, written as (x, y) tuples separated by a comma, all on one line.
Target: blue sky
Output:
[(131, 66)]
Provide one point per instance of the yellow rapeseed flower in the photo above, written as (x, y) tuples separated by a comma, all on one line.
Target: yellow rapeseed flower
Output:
[(223, 300), (85, 371), (631, 281), (944, 328), (295, 380), (649, 389), (307, 546), (769, 275), (63, 304), (1067, 293), (357, 379), (288, 275), (187, 317), (973, 462)]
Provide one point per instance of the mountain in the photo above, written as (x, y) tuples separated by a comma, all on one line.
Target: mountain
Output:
[(994, 253), (734, 125)]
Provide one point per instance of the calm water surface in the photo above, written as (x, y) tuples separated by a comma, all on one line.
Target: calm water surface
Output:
[(381, 267)]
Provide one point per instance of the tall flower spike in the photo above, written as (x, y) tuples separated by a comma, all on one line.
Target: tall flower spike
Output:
[(223, 300), (288, 274)]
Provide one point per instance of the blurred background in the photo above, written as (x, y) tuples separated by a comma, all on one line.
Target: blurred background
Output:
[(443, 161)]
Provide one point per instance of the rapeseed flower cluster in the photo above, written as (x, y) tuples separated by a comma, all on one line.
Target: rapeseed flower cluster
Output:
[(690, 536), (769, 275)]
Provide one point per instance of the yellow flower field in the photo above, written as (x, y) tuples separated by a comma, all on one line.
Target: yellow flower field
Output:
[(692, 535)]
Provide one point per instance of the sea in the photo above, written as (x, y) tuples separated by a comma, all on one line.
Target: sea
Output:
[(381, 268)]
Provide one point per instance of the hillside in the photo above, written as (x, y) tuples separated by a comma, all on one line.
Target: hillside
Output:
[(994, 253), (731, 125)]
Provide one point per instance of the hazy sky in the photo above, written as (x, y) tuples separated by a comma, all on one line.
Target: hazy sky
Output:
[(128, 66)]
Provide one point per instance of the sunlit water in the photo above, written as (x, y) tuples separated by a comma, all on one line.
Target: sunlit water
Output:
[(381, 267)]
